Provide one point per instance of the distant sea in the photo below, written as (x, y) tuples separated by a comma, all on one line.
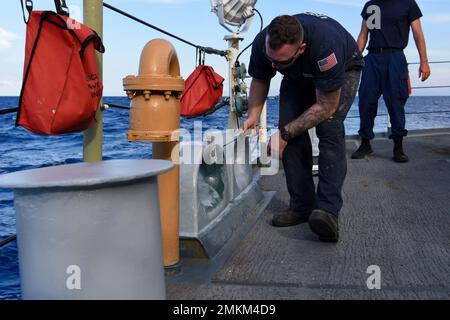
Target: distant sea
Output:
[(21, 150)]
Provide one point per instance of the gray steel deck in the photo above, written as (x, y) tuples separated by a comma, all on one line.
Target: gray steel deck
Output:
[(396, 216)]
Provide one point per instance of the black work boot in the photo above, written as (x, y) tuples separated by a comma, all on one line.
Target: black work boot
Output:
[(290, 218), (399, 155), (364, 150), (325, 225)]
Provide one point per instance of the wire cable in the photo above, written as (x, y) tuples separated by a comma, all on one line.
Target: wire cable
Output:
[(432, 62), (204, 49), (408, 114), (8, 111), (8, 240), (430, 87), (111, 105), (260, 29)]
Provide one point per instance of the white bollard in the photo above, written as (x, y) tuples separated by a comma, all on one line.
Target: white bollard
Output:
[(90, 230)]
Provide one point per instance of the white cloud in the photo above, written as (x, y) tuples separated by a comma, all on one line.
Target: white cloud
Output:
[(350, 3), (6, 38), (9, 83), (439, 77), (164, 1), (437, 18), (433, 54), (10, 87)]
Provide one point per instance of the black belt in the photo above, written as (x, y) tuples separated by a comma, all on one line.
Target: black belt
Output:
[(385, 50)]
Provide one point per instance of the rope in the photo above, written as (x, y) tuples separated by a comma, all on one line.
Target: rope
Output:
[(429, 112), (221, 104), (110, 105), (408, 113), (432, 62), (201, 48), (7, 111), (431, 87), (7, 241)]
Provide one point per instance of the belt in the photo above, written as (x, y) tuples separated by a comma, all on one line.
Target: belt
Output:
[(385, 50)]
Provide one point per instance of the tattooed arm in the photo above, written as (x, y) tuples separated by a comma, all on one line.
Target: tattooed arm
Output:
[(327, 104)]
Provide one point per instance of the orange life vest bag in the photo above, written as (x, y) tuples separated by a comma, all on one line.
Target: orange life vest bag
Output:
[(204, 88), (61, 87)]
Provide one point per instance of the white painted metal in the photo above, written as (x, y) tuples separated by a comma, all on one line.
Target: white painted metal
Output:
[(90, 230)]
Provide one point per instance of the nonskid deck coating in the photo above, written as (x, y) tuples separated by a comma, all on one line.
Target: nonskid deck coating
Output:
[(395, 216)]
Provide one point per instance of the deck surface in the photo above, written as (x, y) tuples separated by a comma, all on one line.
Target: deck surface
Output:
[(395, 216)]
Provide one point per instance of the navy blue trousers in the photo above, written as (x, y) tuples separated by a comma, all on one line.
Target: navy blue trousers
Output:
[(297, 157), (384, 74)]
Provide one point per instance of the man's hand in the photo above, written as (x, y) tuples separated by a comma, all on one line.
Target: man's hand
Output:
[(424, 70), (419, 38), (276, 146), (252, 122), (258, 94)]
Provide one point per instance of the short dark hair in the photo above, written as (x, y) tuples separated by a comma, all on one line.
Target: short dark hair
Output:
[(284, 29)]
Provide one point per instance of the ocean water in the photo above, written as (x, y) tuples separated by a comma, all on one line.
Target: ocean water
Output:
[(21, 150)]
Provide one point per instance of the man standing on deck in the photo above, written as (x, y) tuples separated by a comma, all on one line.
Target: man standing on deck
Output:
[(386, 70), (321, 66)]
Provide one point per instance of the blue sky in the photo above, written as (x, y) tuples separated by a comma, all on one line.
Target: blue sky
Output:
[(192, 20)]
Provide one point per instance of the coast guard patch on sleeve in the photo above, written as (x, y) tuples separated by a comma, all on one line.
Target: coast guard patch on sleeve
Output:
[(327, 63)]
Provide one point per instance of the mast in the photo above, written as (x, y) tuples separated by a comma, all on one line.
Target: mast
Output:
[(93, 137)]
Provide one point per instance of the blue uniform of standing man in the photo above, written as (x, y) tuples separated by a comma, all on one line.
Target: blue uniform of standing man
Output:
[(321, 68), (388, 23)]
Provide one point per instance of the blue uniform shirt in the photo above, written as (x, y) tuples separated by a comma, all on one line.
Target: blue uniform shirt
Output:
[(396, 18), (330, 52)]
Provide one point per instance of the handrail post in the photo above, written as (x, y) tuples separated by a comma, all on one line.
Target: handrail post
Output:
[(389, 127), (263, 125), (93, 137)]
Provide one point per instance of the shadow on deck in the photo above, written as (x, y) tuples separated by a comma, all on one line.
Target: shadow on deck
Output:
[(395, 216)]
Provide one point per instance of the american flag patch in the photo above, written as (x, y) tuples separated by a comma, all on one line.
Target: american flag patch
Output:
[(327, 63)]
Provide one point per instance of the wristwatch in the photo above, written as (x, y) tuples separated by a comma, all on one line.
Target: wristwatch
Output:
[(284, 134)]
